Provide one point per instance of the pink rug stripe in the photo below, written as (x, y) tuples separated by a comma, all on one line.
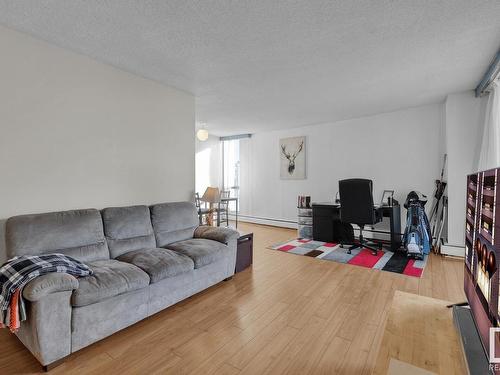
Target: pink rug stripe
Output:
[(286, 248), (412, 271), (329, 244), (366, 259)]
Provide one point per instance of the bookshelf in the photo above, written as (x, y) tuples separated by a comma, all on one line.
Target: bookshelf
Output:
[(488, 206), (482, 249), (473, 186), (482, 238)]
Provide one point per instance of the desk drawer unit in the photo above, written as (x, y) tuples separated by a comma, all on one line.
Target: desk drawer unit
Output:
[(324, 217)]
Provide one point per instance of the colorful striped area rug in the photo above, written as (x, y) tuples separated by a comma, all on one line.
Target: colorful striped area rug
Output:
[(385, 260)]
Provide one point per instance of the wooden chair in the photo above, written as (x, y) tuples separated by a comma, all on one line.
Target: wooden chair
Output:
[(202, 211), (224, 207)]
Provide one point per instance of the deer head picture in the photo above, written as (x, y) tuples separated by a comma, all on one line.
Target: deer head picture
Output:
[(292, 158)]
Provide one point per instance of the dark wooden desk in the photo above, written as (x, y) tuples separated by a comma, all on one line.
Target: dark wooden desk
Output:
[(326, 214)]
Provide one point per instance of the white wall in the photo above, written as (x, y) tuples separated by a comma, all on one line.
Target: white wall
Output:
[(208, 164), (399, 150), (77, 133), (411, 144), (464, 127)]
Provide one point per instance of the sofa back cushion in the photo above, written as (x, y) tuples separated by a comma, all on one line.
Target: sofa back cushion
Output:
[(76, 233), (128, 229), (173, 222)]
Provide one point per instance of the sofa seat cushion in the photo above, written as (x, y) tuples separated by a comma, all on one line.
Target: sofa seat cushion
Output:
[(158, 263), (200, 250), (111, 278)]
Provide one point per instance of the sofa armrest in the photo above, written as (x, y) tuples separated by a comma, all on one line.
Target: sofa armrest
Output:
[(47, 331), (44, 285), (226, 236), (219, 234)]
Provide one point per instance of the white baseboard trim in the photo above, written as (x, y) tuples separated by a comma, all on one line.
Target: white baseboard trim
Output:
[(265, 221), (283, 223), (453, 250)]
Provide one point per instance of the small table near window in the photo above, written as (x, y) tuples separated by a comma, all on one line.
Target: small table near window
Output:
[(228, 200)]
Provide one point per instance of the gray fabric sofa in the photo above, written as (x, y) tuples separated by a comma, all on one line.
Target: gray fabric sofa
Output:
[(144, 259)]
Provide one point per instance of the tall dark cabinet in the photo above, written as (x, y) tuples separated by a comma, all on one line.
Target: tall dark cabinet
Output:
[(482, 243)]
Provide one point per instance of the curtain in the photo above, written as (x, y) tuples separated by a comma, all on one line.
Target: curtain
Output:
[(231, 165), (489, 156)]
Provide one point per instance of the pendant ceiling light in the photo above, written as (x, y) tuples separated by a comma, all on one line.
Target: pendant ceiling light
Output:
[(202, 134)]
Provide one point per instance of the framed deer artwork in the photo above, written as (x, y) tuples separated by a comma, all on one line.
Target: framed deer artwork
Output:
[(293, 158)]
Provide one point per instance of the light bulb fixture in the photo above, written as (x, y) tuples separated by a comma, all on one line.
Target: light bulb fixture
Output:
[(202, 134)]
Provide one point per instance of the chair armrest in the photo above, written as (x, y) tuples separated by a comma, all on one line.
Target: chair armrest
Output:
[(44, 285), (218, 234)]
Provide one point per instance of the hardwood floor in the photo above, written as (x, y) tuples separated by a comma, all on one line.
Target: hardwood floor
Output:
[(286, 314), (420, 332)]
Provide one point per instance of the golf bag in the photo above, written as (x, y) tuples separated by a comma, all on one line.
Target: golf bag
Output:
[(417, 237)]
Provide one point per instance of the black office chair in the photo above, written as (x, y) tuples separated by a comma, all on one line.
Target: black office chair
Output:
[(356, 207)]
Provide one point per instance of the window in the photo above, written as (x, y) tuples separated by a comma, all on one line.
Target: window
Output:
[(231, 169)]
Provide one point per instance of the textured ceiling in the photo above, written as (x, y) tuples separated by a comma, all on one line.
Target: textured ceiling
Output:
[(270, 64)]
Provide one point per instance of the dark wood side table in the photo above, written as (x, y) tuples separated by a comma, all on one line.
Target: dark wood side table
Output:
[(244, 255)]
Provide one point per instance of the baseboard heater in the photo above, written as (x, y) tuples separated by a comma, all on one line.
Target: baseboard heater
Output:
[(288, 223), (265, 220)]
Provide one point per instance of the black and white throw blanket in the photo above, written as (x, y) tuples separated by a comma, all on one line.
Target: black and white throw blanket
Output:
[(18, 271)]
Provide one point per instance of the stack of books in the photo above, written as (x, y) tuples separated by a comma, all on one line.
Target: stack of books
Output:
[(304, 201)]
